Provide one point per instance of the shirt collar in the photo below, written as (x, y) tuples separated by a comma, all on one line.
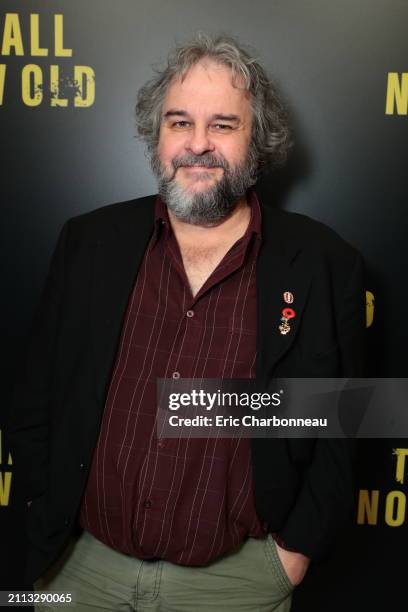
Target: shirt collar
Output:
[(161, 219), (255, 223)]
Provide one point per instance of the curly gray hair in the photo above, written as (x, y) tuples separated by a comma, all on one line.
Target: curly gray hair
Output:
[(270, 132)]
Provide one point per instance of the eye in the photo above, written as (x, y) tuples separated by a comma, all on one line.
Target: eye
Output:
[(222, 127), (181, 124)]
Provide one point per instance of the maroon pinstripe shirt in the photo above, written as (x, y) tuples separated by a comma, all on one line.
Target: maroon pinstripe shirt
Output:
[(184, 500)]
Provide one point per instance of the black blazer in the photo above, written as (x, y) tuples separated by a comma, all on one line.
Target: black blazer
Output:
[(303, 487)]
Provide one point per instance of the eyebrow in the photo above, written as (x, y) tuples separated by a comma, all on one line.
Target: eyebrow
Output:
[(173, 112), (221, 117), (216, 117)]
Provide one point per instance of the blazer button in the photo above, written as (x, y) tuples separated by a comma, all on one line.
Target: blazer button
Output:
[(66, 521), (81, 466)]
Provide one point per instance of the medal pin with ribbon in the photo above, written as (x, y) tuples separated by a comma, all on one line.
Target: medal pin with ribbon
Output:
[(287, 314)]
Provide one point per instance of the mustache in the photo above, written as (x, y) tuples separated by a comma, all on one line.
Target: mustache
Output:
[(207, 160)]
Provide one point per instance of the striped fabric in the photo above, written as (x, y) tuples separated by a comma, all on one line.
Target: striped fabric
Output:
[(184, 500)]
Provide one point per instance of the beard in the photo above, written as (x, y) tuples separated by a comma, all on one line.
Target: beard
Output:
[(208, 206)]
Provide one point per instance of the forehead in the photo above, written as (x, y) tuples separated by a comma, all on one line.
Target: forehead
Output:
[(208, 86)]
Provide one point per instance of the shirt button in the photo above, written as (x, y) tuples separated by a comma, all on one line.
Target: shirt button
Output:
[(190, 313), (176, 374), (160, 443), (147, 504)]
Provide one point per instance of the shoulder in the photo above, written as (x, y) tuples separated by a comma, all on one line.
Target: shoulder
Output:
[(299, 232), (100, 222)]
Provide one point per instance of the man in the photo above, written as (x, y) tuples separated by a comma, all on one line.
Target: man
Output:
[(188, 284)]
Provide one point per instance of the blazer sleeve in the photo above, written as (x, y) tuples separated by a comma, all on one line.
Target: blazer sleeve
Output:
[(28, 422), (325, 499)]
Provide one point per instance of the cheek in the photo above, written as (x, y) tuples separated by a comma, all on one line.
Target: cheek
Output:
[(170, 140), (167, 150), (164, 143), (236, 154)]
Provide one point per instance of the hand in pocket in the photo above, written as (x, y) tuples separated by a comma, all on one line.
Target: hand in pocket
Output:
[(295, 564)]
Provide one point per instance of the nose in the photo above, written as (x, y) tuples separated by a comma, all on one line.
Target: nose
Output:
[(199, 141)]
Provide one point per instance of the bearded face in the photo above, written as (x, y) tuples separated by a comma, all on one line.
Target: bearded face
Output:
[(205, 160)]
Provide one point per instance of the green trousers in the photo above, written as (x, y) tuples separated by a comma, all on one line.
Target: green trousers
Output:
[(250, 579)]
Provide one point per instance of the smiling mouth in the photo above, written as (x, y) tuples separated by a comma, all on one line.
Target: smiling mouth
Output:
[(200, 168)]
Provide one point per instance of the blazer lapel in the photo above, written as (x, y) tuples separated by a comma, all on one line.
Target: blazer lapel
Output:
[(280, 268), (117, 258)]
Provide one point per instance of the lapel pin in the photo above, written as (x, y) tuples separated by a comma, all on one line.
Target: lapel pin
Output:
[(287, 314), (288, 297)]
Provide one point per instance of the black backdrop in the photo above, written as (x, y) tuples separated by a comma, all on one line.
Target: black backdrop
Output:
[(333, 63)]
